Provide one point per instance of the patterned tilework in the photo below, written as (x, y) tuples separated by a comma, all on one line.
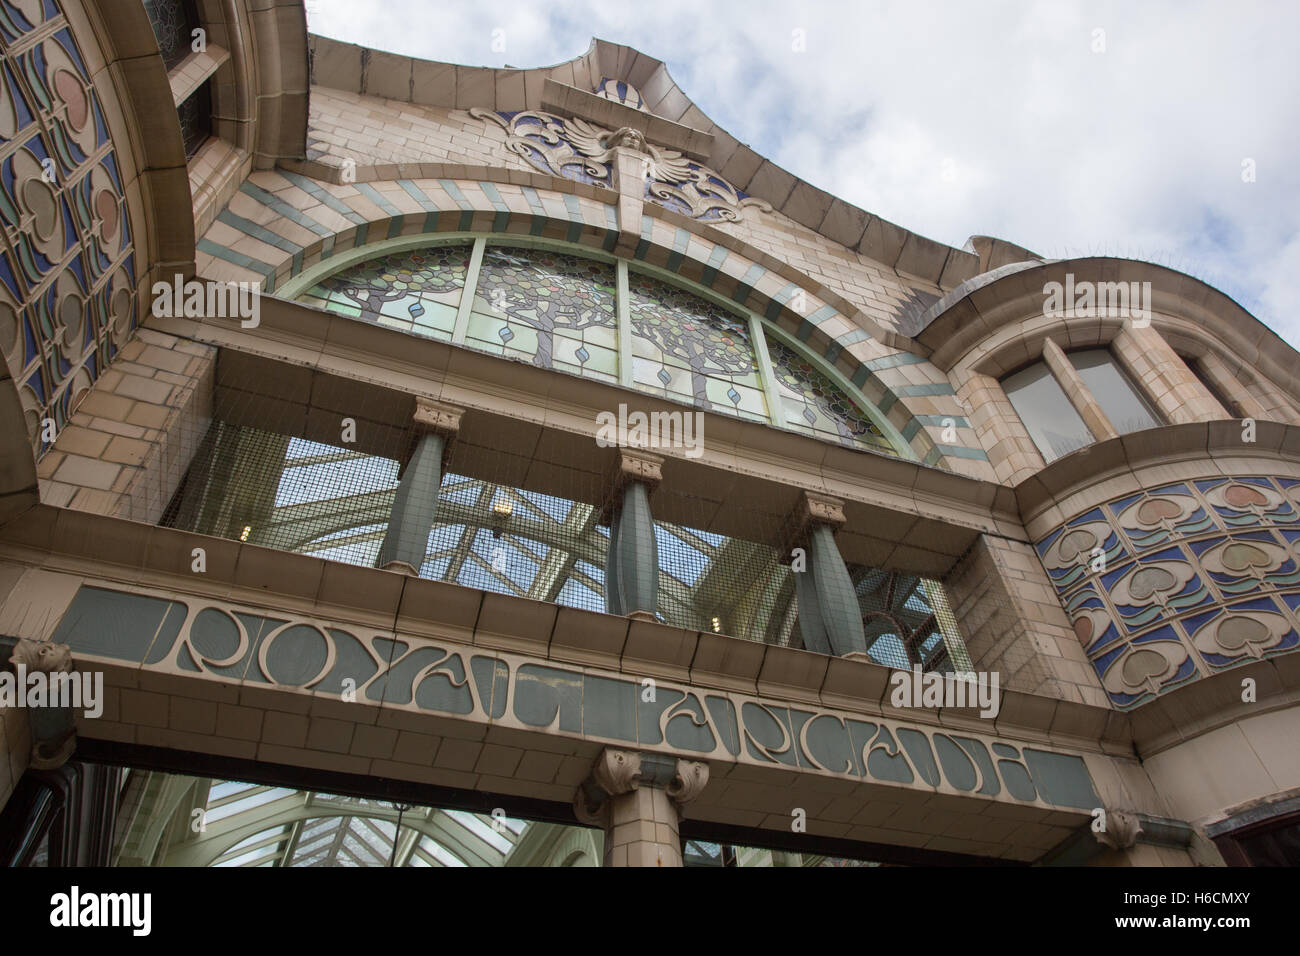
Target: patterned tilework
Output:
[(67, 272), (1181, 581)]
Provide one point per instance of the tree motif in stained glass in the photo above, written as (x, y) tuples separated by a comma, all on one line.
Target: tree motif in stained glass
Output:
[(813, 403), (554, 309), (687, 348), (416, 291)]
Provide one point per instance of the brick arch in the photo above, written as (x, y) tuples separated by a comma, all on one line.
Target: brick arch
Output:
[(251, 241)]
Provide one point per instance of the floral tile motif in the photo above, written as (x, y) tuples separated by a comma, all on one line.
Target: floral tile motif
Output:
[(1160, 516), (1180, 581), (1086, 545), (1241, 502), (1140, 670)]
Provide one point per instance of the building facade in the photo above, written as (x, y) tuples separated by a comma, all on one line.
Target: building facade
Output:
[(449, 465)]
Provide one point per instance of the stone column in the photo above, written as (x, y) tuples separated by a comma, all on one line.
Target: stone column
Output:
[(830, 618), (638, 799), (632, 565), (407, 539)]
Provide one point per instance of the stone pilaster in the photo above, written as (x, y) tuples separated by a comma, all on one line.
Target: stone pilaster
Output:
[(416, 502), (830, 618), (638, 799), (1162, 375), (629, 179), (632, 564)]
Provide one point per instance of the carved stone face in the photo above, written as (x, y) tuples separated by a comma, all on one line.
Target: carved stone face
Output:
[(631, 138), (42, 656)]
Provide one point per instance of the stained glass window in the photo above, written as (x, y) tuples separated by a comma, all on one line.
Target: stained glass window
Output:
[(195, 116), (811, 402), (172, 22), (555, 310), (560, 311), (416, 291), (688, 349)]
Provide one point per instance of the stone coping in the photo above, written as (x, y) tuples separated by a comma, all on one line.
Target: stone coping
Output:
[(356, 69), (1104, 469)]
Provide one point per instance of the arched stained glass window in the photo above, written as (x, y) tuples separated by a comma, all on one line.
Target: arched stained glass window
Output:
[(552, 309), (812, 402), (564, 311), (417, 291), (687, 348)]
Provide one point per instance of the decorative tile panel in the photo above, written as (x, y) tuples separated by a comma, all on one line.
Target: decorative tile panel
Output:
[(1180, 581), (67, 272)]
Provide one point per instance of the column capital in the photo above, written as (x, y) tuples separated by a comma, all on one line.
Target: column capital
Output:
[(432, 418), (617, 772), (630, 464), (436, 417), (813, 508)]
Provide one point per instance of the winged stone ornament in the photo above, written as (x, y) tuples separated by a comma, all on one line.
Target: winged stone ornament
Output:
[(577, 149)]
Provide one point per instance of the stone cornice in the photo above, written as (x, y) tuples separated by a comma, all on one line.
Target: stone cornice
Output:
[(115, 551), (1063, 489), (571, 101)]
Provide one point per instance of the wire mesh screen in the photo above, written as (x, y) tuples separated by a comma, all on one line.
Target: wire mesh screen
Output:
[(494, 533), (331, 502), (907, 620), (732, 586)]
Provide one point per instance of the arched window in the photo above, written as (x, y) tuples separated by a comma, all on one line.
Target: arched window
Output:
[(578, 312)]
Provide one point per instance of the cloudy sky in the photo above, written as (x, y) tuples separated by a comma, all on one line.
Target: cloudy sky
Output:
[(1070, 128)]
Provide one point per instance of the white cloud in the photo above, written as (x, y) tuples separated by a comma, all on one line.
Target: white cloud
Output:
[(955, 119)]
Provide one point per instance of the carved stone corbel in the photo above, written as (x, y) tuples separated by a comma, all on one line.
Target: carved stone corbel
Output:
[(1121, 831), (53, 729)]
